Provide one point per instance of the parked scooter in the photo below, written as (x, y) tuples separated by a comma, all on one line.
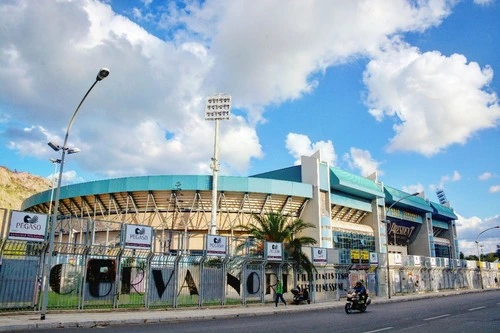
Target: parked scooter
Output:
[(354, 302), (300, 296)]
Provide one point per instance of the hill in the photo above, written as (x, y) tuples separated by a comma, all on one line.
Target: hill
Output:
[(17, 186)]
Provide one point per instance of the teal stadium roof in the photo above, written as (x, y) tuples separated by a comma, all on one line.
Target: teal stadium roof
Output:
[(346, 182)]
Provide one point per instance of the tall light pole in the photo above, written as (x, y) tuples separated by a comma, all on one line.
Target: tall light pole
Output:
[(479, 255), (218, 108), (102, 74), (386, 221), (54, 161)]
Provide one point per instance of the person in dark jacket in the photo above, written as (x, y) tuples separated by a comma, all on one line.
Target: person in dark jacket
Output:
[(361, 291)]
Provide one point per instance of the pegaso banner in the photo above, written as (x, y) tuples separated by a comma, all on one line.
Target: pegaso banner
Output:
[(216, 245), (138, 236), (27, 226), (274, 251), (319, 255)]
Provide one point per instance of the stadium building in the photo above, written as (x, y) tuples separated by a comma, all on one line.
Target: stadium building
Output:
[(352, 214)]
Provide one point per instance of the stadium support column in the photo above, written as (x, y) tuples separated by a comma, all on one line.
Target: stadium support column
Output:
[(218, 107)]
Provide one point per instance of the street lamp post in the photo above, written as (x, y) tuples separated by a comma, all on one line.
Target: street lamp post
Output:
[(479, 255), (54, 161), (218, 108), (102, 74), (386, 221)]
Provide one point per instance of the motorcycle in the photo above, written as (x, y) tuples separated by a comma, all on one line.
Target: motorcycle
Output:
[(354, 303), (300, 297)]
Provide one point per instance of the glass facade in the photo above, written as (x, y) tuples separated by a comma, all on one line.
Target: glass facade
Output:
[(442, 251), (353, 241)]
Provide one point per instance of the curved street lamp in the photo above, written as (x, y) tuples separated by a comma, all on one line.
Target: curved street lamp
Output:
[(386, 221), (102, 74), (479, 256)]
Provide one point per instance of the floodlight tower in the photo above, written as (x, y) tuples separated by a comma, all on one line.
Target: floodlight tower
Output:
[(218, 107)]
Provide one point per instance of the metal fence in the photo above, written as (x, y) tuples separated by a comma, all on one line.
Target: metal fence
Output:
[(90, 269)]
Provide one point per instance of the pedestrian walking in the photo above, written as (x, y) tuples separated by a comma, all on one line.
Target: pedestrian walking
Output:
[(279, 293)]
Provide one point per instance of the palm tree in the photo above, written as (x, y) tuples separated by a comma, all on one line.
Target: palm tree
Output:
[(276, 227)]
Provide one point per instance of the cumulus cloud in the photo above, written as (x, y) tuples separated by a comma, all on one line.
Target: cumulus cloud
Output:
[(468, 229), (484, 2), (363, 161), (429, 96), (414, 188), (300, 145), (147, 117), (454, 177), (485, 176), (494, 189)]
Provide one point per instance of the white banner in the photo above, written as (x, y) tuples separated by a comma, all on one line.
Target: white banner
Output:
[(319, 255), (216, 245), (138, 236), (416, 260), (27, 226), (274, 251)]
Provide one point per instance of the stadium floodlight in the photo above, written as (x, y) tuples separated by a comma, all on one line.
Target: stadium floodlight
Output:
[(218, 107)]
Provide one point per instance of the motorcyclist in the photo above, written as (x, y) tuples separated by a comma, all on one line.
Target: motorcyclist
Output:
[(360, 289)]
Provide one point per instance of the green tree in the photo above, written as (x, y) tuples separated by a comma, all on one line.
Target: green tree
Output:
[(276, 227)]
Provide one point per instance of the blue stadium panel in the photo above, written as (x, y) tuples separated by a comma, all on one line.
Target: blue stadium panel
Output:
[(440, 224), (415, 202), (293, 174), (356, 185), (442, 211), (170, 183), (351, 202)]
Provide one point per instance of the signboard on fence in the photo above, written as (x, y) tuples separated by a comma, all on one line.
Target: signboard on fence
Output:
[(355, 256), (216, 245), (27, 226), (373, 258), (319, 255), (137, 236), (365, 256), (274, 251)]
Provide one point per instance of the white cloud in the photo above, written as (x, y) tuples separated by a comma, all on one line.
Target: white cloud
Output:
[(300, 145), (468, 230), (485, 176), (147, 117), (363, 161), (414, 188), (430, 96), (494, 189), (455, 177), (484, 2)]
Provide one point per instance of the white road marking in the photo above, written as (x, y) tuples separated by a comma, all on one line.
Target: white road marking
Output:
[(379, 330), (441, 316), (479, 307)]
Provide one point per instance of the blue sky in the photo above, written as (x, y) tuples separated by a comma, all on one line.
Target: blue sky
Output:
[(407, 89)]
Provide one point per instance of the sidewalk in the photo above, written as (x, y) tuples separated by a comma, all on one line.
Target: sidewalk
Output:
[(10, 322)]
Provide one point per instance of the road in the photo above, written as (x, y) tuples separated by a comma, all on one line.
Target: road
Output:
[(475, 312)]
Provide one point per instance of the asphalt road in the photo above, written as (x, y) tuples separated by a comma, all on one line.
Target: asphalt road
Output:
[(475, 312)]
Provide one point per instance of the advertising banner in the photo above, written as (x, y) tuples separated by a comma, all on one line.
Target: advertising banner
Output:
[(319, 255), (416, 260), (365, 256), (138, 236), (274, 251), (355, 256), (216, 245), (373, 258), (27, 226)]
